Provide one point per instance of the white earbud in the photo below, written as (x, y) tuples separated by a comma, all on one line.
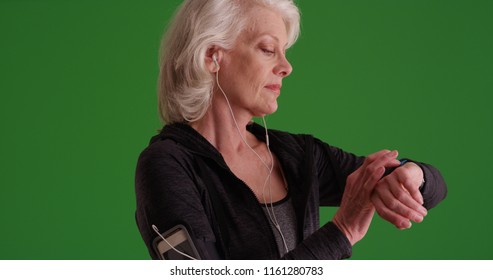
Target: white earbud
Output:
[(214, 58)]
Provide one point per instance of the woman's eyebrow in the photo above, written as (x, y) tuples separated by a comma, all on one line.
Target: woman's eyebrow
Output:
[(267, 34)]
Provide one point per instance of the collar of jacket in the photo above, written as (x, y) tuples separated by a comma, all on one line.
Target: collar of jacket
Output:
[(196, 143)]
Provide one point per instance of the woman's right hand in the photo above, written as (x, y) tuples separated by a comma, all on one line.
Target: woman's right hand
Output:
[(356, 211)]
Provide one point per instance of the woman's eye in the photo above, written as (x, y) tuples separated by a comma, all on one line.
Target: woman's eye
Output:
[(268, 51)]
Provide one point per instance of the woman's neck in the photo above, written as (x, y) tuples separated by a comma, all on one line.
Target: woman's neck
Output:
[(222, 131)]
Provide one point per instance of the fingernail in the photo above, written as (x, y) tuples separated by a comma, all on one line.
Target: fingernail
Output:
[(405, 225), (392, 153)]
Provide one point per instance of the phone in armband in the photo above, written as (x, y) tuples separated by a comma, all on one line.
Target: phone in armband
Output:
[(178, 245)]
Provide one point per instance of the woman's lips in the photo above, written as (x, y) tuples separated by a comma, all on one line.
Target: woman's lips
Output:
[(274, 87)]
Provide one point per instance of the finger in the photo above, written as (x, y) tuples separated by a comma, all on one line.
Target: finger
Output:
[(389, 215), (381, 155), (408, 206), (371, 176), (375, 165), (397, 206), (372, 157), (376, 155), (399, 200), (364, 174)]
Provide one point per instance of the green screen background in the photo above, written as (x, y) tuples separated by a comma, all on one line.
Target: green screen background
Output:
[(78, 104)]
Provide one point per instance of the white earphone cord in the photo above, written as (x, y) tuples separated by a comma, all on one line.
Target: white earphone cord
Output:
[(270, 211)]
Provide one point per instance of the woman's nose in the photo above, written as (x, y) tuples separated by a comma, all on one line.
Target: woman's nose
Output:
[(284, 68)]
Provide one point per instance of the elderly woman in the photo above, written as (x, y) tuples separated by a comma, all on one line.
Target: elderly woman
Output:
[(240, 190)]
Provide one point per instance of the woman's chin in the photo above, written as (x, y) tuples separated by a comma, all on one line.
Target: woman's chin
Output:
[(271, 109)]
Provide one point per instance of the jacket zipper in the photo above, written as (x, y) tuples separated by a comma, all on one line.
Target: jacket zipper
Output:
[(254, 196)]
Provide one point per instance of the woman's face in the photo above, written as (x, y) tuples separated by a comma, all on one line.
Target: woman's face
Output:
[(251, 72)]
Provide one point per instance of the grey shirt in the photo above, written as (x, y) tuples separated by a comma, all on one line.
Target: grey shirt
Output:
[(283, 214)]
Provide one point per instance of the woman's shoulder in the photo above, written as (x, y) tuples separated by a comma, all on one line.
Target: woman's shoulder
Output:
[(177, 144), (164, 160), (161, 152), (162, 147)]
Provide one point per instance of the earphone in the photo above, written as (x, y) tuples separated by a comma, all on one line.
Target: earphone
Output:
[(214, 58)]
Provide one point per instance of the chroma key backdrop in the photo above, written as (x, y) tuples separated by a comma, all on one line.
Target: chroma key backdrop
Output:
[(78, 104)]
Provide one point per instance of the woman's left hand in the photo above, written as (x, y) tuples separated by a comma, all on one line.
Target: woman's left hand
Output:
[(397, 198)]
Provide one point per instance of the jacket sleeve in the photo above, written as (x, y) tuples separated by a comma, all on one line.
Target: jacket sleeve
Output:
[(327, 243), (334, 166), (167, 196)]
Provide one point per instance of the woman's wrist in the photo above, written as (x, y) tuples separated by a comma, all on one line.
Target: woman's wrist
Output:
[(343, 229)]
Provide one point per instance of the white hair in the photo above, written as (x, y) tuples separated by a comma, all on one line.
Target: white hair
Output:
[(185, 83)]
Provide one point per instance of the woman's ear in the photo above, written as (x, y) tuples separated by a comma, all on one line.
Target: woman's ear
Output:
[(212, 59)]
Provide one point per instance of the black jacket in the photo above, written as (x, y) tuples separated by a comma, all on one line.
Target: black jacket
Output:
[(176, 172)]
